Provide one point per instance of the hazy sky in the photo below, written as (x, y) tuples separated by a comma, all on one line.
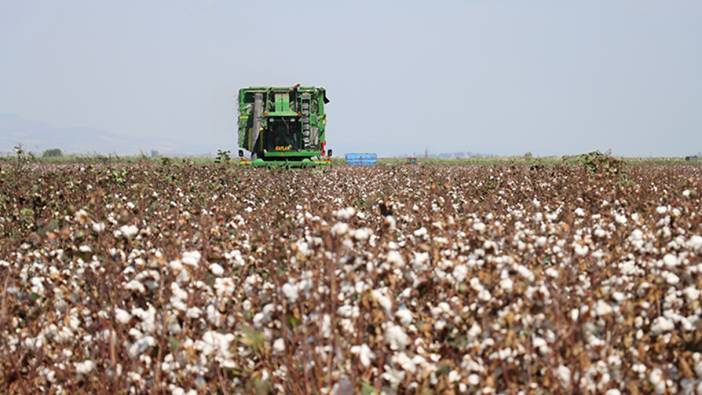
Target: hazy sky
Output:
[(501, 77)]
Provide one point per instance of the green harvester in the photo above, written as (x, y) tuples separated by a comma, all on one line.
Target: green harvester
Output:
[(283, 126)]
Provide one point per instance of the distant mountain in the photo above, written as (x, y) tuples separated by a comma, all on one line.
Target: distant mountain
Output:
[(36, 136)]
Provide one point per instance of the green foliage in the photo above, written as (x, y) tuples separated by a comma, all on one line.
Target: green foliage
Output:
[(368, 389), (253, 338), (223, 156), (119, 176), (52, 153), (26, 212), (598, 163)]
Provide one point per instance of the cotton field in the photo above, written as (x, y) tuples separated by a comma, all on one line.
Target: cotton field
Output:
[(429, 279)]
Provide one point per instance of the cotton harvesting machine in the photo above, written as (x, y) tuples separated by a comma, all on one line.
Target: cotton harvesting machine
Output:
[(283, 126)]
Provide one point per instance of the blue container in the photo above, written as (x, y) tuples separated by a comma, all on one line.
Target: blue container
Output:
[(365, 159)]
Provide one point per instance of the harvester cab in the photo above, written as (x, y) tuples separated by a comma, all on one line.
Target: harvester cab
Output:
[(283, 126)]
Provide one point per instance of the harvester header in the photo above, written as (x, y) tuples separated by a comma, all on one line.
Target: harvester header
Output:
[(283, 126)]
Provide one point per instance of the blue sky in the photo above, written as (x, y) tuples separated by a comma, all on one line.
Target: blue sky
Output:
[(499, 77)]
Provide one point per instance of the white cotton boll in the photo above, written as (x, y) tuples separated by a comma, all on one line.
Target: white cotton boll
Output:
[(661, 210), (37, 285), (670, 260), (439, 325), (618, 296), (279, 346), (291, 292), (691, 293), (141, 345), (395, 258), (473, 379), (475, 284), (695, 243), (364, 353), (175, 266), (670, 278), (218, 344), (362, 234), (216, 269), (580, 250), (193, 313), (122, 316), (405, 362), (128, 231), (345, 213), (484, 295), (147, 317), (135, 286), (340, 229), (564, 375), (662, 325), (574, 314), (602, 308), (98, 227), (420, 232), (326, 325), (613, 391), (620, 219), (404, 315), (524, 272), (391, 221), (84, 367), (657, 380), (191, 258), (506, 284), (552, 272), (474, 331), (396, 337), (479, 227), (540, 344), (224, 286), (579, 212), (686, 193), (380, 296), (460, 272)]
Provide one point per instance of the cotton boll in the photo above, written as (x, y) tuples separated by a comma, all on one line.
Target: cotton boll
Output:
[(383, 300), (340, 229), (84, 367), (364, 353), (670, 260), (404, 315), (279, 346), (122, 316), (216, 269), (602, 308), (395, 258), (662, 325), (128, 231), (420, 232), (291, 292), (396, 337), (345, 213), (460, 272), (191, 258)]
